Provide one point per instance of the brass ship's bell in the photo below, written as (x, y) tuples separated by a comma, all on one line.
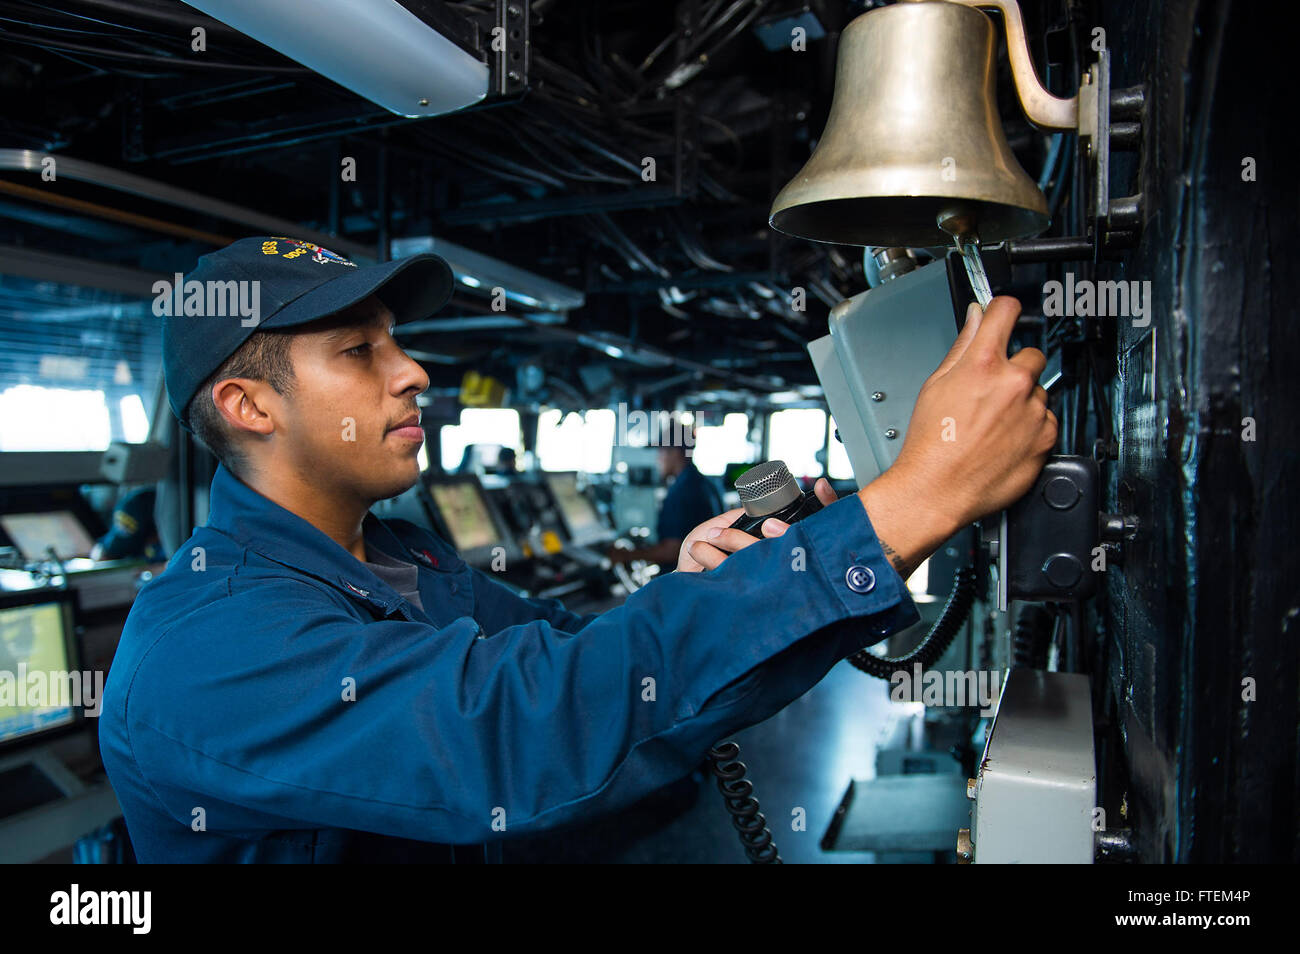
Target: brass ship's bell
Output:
[(914, 135)]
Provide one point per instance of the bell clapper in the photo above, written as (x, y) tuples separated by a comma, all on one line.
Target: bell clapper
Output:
[(979, 279), (961, 226)]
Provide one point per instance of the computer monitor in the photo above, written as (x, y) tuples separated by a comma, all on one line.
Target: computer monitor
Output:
[(580, 516), (41, 686), (34, 533), (465, 512)]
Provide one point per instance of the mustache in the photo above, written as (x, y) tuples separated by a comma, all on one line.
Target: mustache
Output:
[(403, 417)]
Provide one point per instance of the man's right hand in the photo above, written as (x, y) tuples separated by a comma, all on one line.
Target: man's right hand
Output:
[(979, 435)]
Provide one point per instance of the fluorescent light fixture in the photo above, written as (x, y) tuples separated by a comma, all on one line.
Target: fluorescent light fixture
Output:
[(477, 323), (619, 347), (376, 48)]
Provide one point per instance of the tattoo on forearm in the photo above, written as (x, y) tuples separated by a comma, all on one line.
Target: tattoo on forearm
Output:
[(894, 558)]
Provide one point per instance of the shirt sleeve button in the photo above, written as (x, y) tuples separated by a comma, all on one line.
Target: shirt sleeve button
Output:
[(860, 579)]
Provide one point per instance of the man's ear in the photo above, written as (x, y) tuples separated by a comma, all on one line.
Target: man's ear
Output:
[(244, 404)]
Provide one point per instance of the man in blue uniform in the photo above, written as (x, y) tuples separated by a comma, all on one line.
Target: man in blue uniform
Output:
[(306, 682)]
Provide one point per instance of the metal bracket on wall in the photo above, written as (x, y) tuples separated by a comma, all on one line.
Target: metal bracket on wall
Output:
[(498, 37), (1109, 120), (510, 64)]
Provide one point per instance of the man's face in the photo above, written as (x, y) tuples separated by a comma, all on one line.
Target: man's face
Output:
[(351, 417)]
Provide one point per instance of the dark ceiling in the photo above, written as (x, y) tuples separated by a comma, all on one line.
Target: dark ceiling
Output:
[(684, 268)]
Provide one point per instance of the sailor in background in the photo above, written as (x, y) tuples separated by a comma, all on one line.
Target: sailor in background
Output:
[(134, 534), (692, 499)]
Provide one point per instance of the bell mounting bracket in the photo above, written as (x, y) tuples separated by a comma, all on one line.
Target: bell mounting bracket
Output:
[(1109, 120)]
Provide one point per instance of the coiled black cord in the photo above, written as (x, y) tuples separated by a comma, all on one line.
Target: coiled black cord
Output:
[(940, 637), (738, 794), (1032, 635)]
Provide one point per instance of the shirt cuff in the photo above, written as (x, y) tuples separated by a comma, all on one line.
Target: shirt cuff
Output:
[(849, 555)]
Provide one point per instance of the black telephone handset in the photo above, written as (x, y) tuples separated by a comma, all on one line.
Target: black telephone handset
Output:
[(770, 490)]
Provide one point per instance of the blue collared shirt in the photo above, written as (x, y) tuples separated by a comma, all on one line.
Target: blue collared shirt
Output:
[(273, 700)]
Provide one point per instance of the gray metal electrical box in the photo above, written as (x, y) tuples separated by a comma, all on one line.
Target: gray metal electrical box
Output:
[(883, 344), (1037, 783)]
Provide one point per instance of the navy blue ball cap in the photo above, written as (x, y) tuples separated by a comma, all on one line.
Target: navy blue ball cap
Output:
[(269, 282)]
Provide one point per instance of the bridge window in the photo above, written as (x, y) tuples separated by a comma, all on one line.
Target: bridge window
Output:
[(798, 434), (576, 441)]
